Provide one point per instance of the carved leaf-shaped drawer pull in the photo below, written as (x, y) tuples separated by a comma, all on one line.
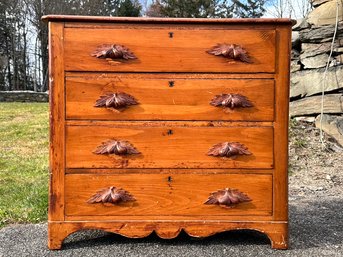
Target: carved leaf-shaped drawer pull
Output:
[(115, 100), (227, 197), (114, 51), (230, 51), (111, 195), (228, 149), (116, 147), (231, 101)]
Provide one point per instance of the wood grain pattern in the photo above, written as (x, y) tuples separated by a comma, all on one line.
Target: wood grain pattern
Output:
[(168, 147), (56, 120), (156, 51), (168, 75), (167, 124), (164, 195), (188, 99), (173, 126), (157, 20), (276, 231), (281, 124), (184, 218), (140, 171)]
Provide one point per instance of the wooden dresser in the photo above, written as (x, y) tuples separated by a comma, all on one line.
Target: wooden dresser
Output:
[(162, 125)]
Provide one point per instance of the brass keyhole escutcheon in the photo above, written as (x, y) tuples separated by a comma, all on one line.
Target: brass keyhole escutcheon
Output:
[(171, 83)]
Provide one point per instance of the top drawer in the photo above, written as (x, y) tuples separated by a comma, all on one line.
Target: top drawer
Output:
[(169, 48)]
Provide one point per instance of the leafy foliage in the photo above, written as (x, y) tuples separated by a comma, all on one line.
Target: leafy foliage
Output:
[(207, 8), (24, 37), (129, 8), (248, 8)]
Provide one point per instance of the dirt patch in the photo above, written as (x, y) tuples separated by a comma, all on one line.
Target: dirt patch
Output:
[(314, 169)]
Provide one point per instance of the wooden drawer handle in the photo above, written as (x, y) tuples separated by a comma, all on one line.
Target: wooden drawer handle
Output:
[(116, 101), (113, 51), (116, 147), (230, 51), (111, 195), (228, 149), (231, 101), (227, 197)]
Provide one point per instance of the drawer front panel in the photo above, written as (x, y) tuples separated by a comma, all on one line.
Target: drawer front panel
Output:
[(163, 99), (157, 51), (167, 147), (165, 195)]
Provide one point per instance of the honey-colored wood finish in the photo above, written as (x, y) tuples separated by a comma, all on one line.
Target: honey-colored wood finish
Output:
[(168, 229), (166, 124), (168, 147), (157, 51), (170, 172), (168, 195), (184, 99), (56, 120), (281, 125), (86, 20)]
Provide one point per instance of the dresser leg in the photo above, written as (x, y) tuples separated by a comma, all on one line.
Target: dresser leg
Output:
[(57, 232), (278, 238)]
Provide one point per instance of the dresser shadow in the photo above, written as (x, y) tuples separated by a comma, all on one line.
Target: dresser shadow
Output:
[(313, 224), (98, 238)]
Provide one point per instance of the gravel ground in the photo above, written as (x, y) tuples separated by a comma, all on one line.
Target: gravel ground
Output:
[(316, 218), (316, 229), (314, 169)]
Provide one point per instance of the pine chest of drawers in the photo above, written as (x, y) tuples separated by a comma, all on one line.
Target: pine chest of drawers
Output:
[(167, 125)]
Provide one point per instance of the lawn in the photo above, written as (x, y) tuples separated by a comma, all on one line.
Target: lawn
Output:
[(24, 151)]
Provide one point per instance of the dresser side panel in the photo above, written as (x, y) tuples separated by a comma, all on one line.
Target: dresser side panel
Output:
[(57, 116), (281, 123)]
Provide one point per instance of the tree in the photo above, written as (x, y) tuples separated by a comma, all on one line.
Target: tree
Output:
[(24, 37), (3, 45), (154, 9), (83, 7), (13, 47), (207, 8), (248, 8), (290, 8), (189, 9), (129, 8)]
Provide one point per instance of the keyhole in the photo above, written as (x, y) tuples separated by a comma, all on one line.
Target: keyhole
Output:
[(171, 34), (171, 83), (169, 179), (170, 132)]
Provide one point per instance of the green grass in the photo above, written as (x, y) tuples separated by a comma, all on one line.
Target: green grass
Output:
[(23, 162)]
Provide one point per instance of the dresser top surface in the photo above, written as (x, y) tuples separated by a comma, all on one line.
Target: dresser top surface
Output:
[(107, 19)]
